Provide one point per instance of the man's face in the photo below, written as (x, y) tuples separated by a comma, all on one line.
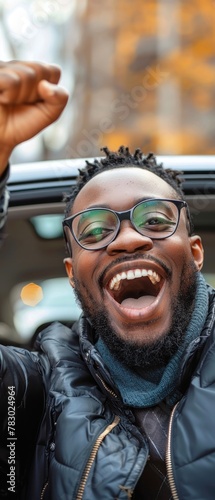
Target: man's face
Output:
[(139, 310)]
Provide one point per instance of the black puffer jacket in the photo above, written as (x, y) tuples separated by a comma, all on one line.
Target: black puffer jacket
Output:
[(69, 435), (4, 200), (87, 446)]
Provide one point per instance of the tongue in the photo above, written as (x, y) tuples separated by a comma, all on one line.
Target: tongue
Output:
[(144, 301)]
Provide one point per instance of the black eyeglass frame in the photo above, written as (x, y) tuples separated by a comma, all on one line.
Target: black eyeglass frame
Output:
[(120, 216)]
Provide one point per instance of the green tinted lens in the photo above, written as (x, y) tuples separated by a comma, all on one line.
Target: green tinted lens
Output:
[(156, 218), (95, 228)]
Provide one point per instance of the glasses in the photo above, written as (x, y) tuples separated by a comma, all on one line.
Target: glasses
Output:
[(96, 228)]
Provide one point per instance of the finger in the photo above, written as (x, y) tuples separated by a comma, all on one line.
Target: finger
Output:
[(42, 70), (49, 72), (53, 95), (19, 81), (16, 85)]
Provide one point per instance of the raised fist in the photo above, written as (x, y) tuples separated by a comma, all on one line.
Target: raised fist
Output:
[(30, 100)]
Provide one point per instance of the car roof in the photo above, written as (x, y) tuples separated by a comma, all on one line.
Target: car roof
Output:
[(47, 180)]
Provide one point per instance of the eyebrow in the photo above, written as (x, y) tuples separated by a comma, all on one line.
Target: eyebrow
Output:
[(146, 198)]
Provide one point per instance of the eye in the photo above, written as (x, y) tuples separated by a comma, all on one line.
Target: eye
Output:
[(156, 222), (94, 232), (159, 224)]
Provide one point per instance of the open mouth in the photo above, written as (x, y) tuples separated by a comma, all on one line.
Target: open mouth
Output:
[(135, 288)]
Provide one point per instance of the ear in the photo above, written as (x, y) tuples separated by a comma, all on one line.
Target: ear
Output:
[(69, 269), (197, 251)]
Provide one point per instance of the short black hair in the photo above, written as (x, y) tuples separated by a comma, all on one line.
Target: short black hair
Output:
[(123, 158)]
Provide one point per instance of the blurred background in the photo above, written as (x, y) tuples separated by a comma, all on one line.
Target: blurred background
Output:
[(140, 73)]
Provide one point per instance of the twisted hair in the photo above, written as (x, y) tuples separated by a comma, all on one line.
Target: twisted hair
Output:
[(123, 158)]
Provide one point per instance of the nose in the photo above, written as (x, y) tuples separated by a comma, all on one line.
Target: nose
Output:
[(128, 240)]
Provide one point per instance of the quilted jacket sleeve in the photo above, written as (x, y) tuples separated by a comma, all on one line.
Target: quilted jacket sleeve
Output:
[(22, 402), (4, 200)]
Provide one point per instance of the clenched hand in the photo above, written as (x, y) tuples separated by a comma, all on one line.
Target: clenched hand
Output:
[(30, 100)]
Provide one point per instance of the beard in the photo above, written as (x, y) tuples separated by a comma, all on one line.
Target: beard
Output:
[(148, 356)]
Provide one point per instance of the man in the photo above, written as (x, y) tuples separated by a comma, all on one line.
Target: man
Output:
[(121, 406)]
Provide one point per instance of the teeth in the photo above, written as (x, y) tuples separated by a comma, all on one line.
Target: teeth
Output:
[(132, 274), (144, 272), (117, 285), (137, 273), (152, 279)]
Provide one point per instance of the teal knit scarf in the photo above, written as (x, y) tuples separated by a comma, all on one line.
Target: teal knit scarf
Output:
[(161, 384)]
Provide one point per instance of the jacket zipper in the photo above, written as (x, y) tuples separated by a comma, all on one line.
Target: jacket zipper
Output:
[(106, 387), (92, 456), (43, 490), (169, 459)]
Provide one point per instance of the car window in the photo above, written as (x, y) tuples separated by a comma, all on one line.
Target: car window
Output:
[(48, 226)]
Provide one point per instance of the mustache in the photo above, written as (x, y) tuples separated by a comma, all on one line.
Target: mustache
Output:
[(131, 258)]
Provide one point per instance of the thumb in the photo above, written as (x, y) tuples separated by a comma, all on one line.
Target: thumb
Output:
[(53, 94)]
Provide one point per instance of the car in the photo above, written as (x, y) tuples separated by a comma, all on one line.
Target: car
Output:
[(34, 288)]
